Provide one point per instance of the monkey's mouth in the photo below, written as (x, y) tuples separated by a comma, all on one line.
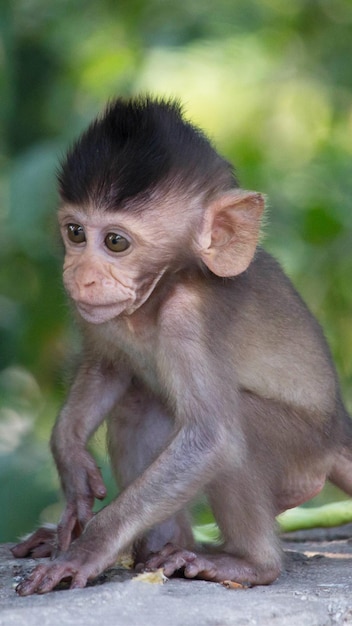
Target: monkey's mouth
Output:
[(100, 313)]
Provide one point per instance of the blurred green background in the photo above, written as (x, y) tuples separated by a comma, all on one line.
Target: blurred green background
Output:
[(270, 81)]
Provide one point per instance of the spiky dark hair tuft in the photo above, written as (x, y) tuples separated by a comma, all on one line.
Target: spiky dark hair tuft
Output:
[(134, 147)]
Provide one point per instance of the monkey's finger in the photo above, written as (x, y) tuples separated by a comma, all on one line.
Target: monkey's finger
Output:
[(172, 559), (65, 528), (53, 576), (84, 514), (158, 560), (184, 560), (29, 585), (22, 549), (202, 568), (79, 581), (154, 562), (167, 550), (96, 483), (175, 563), (170, 565), (36, 540), (44, 550)]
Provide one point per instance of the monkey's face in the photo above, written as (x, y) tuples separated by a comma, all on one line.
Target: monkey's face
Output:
[(113, 261)]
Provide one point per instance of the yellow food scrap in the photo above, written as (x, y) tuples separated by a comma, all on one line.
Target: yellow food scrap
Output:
[(126, 561), (156, 577), (230, 584)]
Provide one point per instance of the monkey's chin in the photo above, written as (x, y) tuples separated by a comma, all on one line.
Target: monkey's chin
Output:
[(98, 314)]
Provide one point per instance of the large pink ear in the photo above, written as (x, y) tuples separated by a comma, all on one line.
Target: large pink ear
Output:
[(230, 232)]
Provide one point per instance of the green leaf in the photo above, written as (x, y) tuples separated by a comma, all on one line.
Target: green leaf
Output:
[(320, 226)]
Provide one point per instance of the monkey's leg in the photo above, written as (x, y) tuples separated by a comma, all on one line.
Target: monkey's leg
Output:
[(138, 430), (341, 472), (250, 553)]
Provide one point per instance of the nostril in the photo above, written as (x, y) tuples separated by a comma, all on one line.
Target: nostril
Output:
[(89, 283), (85, 289)]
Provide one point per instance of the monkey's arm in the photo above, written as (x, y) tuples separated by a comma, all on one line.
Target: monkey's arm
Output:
[(96, 388), (173, 478)]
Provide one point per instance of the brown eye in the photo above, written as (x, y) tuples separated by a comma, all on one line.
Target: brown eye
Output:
[(116, 243), (75, 233)]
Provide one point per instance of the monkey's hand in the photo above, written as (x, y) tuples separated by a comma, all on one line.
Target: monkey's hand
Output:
[(86, 558), (82, 483), (41, 543)]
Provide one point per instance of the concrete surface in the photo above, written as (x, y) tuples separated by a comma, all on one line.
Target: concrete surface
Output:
[(314, 590)]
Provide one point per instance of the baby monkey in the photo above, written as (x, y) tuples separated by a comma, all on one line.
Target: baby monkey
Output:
[(211, 372)]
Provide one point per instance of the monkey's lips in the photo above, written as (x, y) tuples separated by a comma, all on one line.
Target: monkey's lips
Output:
[(100, 313)]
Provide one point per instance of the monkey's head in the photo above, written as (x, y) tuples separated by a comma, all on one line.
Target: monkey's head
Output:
[(145, 194)]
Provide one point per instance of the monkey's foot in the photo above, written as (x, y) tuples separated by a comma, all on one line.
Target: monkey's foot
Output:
[(40, 544), (216, 567)]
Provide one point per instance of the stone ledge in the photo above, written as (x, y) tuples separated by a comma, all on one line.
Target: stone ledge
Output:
[(315, 589)]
